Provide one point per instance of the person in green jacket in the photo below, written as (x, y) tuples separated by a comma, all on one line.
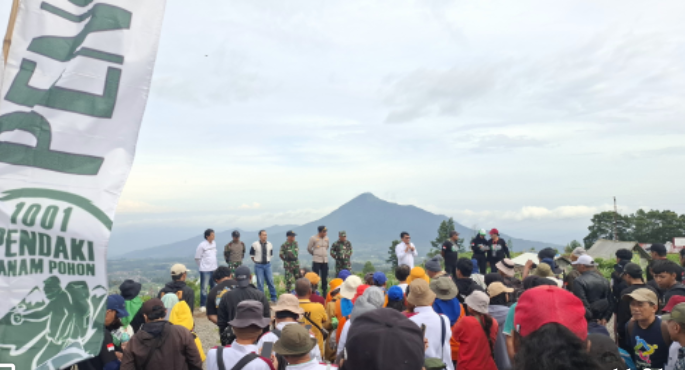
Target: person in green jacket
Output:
[(130, 290)]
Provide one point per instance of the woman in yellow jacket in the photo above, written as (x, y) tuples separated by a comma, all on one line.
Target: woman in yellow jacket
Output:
[(181, 315)]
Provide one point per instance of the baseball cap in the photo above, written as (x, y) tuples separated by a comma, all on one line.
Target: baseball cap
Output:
[(676, 299), (344, 274), (677, 314), (294, 340), (482, 232), (342, 233), (235, 233), (379, 278), (478, 301), (550, 304), (384, 339), (632, 269), (585, 260), (288, 302), (242, 276), (395, 293), (151, 305), (178, 269), (335, 283), (494, 231), (658, 248), (312, 277), (116, 302), (498, 288), (322, 228), (618, 268), (290, 233), (643, 295)]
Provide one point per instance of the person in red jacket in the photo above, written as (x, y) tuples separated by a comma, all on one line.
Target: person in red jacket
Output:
[(476, 335)]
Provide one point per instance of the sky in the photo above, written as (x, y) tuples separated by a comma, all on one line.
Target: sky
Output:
[(528, 116)]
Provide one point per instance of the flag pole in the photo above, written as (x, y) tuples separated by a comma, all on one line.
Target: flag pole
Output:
[(10, 29)]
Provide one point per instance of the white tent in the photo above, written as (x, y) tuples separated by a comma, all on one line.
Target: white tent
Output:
[(523, 258)]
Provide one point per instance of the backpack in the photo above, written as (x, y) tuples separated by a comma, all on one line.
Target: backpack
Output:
[(241, 364), (630, 328), (433, 363)]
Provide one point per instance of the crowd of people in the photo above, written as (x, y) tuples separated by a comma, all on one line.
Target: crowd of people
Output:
[(449, 314)]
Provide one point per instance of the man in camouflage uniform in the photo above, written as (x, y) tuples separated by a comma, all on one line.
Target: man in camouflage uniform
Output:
[(341, 251), (291, 264), (234, 252)]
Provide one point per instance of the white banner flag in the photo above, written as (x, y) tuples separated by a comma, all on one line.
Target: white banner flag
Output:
[(73, 96)]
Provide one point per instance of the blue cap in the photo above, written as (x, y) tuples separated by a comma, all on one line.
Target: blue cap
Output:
[(344, 274), (395, 293), (116, 302), (379, 278)]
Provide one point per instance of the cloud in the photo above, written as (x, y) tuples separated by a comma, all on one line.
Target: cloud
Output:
[(254, 205), (535, 213), (500, 141), (132, 206)]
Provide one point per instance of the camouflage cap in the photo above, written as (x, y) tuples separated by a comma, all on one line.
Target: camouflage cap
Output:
[(342, 233), (677, 314)]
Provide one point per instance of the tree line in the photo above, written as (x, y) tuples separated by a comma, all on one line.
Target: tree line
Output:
[(651, 226)]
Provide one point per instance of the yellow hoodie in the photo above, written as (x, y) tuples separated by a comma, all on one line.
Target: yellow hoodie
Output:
[(181, 315)]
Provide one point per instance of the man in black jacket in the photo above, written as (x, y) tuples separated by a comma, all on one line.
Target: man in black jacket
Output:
[(178, 286), (666, 277), (591, 287), (498, 250), (633, 276), (245, 291), (463, 281), (479, 246), (623, 257)]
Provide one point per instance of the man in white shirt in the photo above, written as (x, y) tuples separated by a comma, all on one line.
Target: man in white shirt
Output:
[(295, 346), (406, 251), (205, 257), (438, 331), (248, 325), (288, 312)]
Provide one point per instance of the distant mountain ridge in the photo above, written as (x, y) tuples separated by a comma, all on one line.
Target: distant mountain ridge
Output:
[(370, 222)]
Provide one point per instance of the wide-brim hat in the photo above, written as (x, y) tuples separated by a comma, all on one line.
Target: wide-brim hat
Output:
[(250, 313), (420, 293), (290, 303), (444, 288), (129, 289), (294, 340), (349, 288), (506, 266)]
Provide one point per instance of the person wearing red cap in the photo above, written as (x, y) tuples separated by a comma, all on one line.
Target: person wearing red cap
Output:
[(498, 250), (551, 331)]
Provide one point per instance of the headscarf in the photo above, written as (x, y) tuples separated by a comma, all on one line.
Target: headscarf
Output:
[(170, 301), (372, 299)]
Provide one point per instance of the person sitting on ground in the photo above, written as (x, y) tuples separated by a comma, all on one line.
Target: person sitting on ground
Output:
[(675, 321), (384, 339), (161, 344), (294, 346), (591, 287), (224, 283), (464, 282), (551, 331), (396, 299), (178, 286), (248, 325), (666, 277), (508, 330), (420, 305), (182, 316), (401, 274), (446, 302), (498, 310), (646, 333), (476, 334), (228, 306), (344, 274), (605, 352), (343, 307), (314, 313), (506, 268), (315, 297), (632, 274), (287, 313), (372, 299)]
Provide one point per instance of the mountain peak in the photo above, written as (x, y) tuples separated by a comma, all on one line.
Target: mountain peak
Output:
[(366, 197)]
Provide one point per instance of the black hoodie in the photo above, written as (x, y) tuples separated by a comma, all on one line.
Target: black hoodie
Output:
[(188, 294)]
